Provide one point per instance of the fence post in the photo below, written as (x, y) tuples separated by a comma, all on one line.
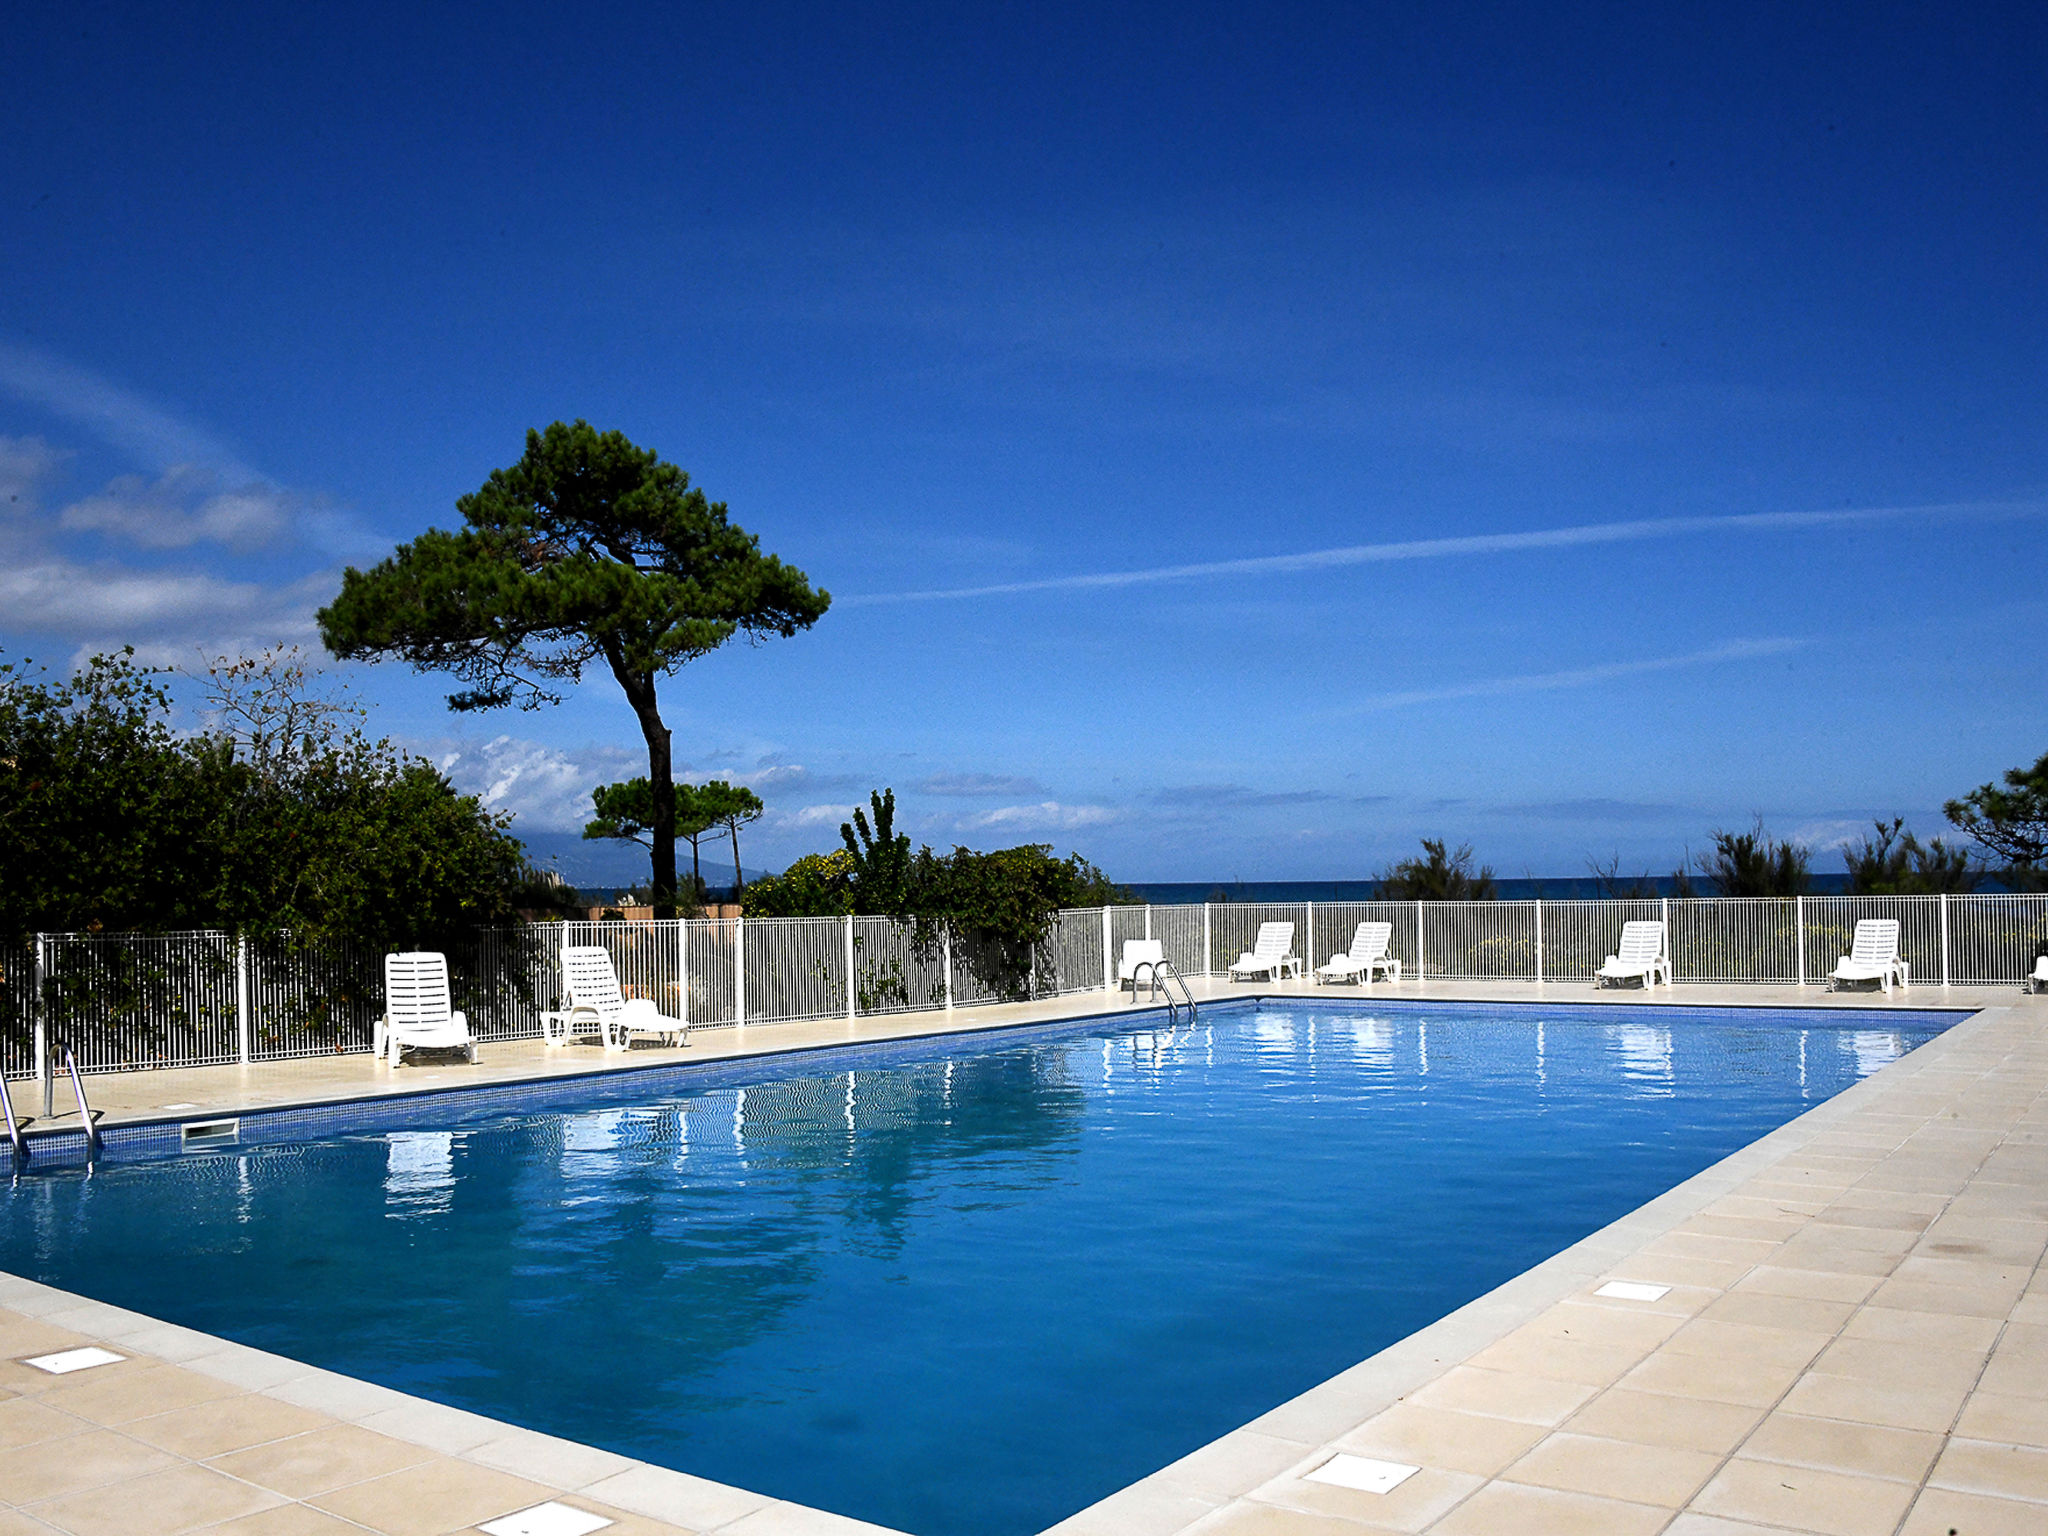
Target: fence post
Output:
[(1421, 966), (1148, 920), (1670, 946), (1944, 939), (739, 970), (245, 1025), (1308, 932), (44, 1074), (1799, 933), (683, 969), (1208, 954), (1108, 970), (852, 990), (946, 954), (1539, 941)]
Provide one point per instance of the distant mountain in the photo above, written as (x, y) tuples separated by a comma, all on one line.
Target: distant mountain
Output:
[(607, 866)]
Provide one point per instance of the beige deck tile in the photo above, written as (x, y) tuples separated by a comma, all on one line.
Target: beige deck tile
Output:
[(1813, 1284), (1722, 1379), (1900, 1405), (133, 1389), (1769, 1346), (1417, 1435), (167, 1503), (22, 1336), (1653, 1418), (1418, 1501), (226, 1424), (435, 1497), (2031, 1308), (1271, 1520), (2005, 1418), (1613, 1323), (67, 1465), (2008, 1280), (1533, 1400), (1525, 1511), (1869, 1450), (320, 1460), (1805, 1498), (1919, 1296), (1946, 1512), (14, 1523), (1767, 1229), (27, 1421), (779, 1519), (1692, 1523), (1968, 1334), (1797, 1314), (1683, 1243), (1886, 1361), (287, 1520), (2002, 1471), (549, 1459), (695, 1502), (1615, 1469), (1236, 1464), (2014, 1375), (1671, 1269), (1584, 1362)]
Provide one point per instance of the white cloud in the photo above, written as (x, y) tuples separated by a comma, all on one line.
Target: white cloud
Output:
[(1579, 677), (25, 463), (810, 816), (185, 505), (1044, 816), (1632, 531), (547, 788), (163, 614), (975, 784), (119, 416)]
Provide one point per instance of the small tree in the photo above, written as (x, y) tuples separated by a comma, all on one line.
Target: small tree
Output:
[(730, 806), (1439, 875), (2010, 822), (1753, 864), (879, 858), (588, 549), (1615, 886), (625, 812), (1895, 863)]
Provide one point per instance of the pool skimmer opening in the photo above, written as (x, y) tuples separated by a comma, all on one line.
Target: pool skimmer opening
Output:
[(1633, 1290), (549, 1519), (1363, 1473), (64, 1362)]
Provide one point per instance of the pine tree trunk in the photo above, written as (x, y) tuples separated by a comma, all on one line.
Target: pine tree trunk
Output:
[(661, 783)]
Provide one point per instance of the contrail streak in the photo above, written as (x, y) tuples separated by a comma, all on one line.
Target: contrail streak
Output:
[(1470, 544), (1577, 677)]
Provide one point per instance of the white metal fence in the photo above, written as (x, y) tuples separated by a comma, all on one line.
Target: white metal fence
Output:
[(187, 999)]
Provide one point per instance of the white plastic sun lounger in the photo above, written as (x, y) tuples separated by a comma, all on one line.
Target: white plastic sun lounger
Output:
[(1270, 955), (2037, 979), (1873, 956), (1140, 964), (1368, 953), (594, 997), (417, 1015), (1640, 956)]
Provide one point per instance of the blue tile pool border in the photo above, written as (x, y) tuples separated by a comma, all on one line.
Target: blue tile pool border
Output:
[(455, 1103)]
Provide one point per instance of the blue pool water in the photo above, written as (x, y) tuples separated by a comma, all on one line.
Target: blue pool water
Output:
[(962, 1287)]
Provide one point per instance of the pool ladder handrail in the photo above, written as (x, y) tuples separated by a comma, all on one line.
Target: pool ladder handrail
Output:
[(87, 1115), (15, 1127), (1163, 977)]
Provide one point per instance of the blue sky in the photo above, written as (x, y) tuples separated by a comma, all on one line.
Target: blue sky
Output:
[(1319, 329)]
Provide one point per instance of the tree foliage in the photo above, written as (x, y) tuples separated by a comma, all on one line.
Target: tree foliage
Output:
[(1896, 863), (730, 806), (1439, 875), (2009, 820), (587, 550), (625, 812), (996, 907), (1752, 863), (110, 820)]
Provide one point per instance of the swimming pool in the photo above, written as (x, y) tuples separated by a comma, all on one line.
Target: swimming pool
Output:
[(959, 1286)]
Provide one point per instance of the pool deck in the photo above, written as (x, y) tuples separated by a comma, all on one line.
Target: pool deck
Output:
[(1855, 1339)]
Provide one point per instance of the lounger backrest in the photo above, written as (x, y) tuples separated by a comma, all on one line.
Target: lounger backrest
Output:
[(1139, 952), (1275, 940), (1877, 940), (593, 981), (416, 990), (1371, 940), (1641, 941)]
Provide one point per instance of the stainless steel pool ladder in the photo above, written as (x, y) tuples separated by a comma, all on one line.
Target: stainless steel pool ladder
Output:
[(15, 1138), (1162, 980), (88, 1116)]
